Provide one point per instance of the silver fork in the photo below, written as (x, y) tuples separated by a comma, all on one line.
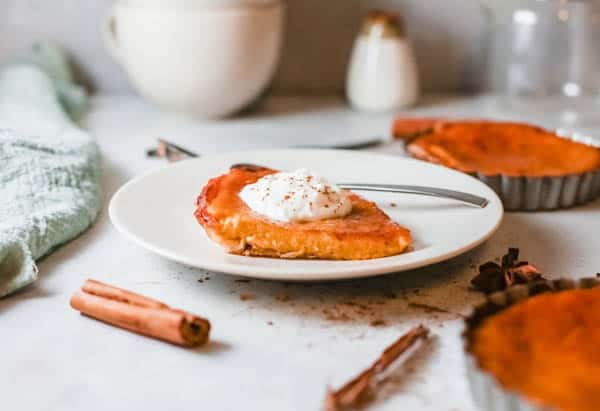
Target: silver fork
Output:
[(466, 198), (174, 153)]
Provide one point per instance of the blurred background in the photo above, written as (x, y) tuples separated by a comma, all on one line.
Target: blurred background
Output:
[(448, 38)]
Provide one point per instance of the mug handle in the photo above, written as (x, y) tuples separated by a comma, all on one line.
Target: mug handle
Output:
[(109, 35)]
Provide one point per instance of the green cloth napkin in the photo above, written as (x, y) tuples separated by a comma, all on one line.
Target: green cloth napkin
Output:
[(49, 168)]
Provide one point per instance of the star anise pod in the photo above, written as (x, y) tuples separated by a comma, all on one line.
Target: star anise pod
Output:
[(496, 277)]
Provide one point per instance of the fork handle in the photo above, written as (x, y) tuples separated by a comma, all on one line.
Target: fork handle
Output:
[(426, 191)]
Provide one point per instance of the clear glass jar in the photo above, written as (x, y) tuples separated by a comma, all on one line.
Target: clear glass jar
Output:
[(545, 58)]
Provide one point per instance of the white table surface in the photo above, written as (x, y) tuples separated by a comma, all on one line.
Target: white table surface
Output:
[(280, 349)]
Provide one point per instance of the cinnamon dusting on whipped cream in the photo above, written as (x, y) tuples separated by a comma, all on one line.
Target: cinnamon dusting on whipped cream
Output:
[(296, 196)]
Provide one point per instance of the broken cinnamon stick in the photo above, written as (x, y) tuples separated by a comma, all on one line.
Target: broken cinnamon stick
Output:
[(354, 391), (140, 314)]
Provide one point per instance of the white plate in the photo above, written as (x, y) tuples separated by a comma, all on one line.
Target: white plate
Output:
[(156, 211)]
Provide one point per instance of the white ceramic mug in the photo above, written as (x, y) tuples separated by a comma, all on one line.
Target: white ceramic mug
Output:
[(197, 59)]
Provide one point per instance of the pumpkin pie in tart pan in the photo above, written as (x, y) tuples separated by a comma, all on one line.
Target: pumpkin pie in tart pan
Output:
[(530, 168), (536, 347), (362, 231)]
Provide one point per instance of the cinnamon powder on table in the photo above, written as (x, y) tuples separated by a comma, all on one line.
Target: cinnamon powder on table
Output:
[(247, 296)]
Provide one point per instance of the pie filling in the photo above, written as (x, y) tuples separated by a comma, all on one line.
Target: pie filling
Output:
[(512, 149), (546, 348), (357, 230)]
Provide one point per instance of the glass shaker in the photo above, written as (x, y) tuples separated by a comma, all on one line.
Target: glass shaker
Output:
[(545, 58)]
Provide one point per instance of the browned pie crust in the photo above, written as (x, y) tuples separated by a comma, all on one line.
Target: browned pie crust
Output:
[(367, 232), (491, 148)]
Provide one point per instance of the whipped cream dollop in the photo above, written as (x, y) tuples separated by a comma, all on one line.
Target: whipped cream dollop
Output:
[(296, 196)]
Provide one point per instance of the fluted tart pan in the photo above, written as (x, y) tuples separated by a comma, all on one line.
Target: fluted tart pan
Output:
[(517, 192)]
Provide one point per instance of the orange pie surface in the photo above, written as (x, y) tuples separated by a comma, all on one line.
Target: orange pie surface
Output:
[(547, 348), (365, 233), (492, 148)]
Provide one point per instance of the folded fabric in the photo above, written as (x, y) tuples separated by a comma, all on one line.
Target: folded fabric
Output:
[(49, 168)]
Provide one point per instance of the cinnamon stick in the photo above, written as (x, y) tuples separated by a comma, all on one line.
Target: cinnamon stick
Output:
[(351, 393), (114, 293), (140, 314)]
